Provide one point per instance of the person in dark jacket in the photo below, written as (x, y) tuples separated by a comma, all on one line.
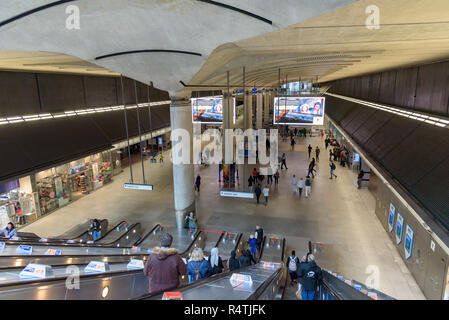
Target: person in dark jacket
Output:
[(198, 183), (233, 263), (258, 192), (310, 276), (244, 260), (198, 267), (252, 260), (253, 245), (250, 183), (164, 266), (259, 237), (360, 179), (215, 262), (96, 230)]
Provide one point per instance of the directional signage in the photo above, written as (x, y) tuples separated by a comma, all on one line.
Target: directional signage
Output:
[(254, 91), (24, 250), (237, 194), (36, 271), (136, 186)]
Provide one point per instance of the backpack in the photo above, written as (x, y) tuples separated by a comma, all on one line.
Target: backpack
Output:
[(197, 274), (333, 166), (292, 264)]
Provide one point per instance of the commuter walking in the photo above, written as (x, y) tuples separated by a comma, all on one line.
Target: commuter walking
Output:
[(292, 265), (259, 237), (284, 159), (276, 177), (317, 153), (294, 183), (292, 143), (311, 168), (198, 267), (258, 192), (333, 167), (233, 263), (215, 262), (308, 184), (265, 195), (164, 266), (300, 186), (9, 232), (255, 175), (309, 148), (330, 154), (310, 276), (161, 158), (326, 142), (253, 245), (250, 183), (269, 179), (198, 183), (360, 179)]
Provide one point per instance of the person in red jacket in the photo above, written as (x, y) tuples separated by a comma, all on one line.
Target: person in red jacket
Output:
[(164, 266)]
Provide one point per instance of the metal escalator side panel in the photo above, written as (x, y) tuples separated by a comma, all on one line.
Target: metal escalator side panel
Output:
[(340, 289)]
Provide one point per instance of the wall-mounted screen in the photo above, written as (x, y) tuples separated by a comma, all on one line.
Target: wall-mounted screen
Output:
[(299, 110), (391, 217), (399, 228), (207, 110), (408, 245)]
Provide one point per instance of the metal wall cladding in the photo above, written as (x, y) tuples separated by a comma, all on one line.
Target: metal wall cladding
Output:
[(387, 86), (376, 121), (364, 115), (374, 87), (404, 91), (100, 91), (18, 94)]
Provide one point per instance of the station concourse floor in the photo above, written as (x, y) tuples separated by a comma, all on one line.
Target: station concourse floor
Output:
[(337, 214)]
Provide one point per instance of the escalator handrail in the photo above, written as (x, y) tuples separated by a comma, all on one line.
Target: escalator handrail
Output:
[(197, 235), (112, 229), (346, 292), (239, 238), (219, 239), (256, 294), (283, 250), (262, 247), (138, 242)]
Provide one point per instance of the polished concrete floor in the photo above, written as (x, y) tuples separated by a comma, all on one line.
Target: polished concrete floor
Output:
[(337, 214)]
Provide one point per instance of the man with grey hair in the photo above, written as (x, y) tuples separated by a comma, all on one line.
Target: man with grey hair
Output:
[(310, 276), (164, 266)]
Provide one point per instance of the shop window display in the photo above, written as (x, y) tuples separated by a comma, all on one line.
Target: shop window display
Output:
[(16, 205)]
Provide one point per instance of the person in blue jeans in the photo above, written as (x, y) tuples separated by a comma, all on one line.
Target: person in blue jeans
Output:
[(96, 230), (265, 194), (253, 246), (333, 167), (310, 276)]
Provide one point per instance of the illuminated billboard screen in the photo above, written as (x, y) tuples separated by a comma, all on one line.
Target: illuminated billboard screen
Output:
[(299, 110), (207, 110)]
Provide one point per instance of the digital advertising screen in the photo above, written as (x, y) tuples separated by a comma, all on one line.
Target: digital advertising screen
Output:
[(207, 110), (299, 110)]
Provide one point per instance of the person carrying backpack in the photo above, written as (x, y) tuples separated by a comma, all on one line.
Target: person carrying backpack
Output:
[(310, 276), (292, 265), (198, 267), (333, 167), (258, 192)]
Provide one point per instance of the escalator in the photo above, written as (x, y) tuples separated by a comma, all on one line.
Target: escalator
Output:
[(120, 283)]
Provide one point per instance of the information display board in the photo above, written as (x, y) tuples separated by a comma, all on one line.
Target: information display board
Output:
[(299, 110), (408, 245), (207, 110), (391, 217), (399, 228)]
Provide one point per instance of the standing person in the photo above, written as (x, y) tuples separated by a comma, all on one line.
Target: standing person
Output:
[(294, 183), (259, 237), (300, 186), (309, 148), (96, 230), (360, 179), (292, 265), (161, 158), (265, 195), (215, 262), (250, 183), (9, 232), (333, 167), (326, 142), (192, 222), (198, 267), (255, 175), (284, 159), (233, 263), (164, 266), (310, 276), (252, 260), (308, 184), (244, 260), (253, 245), (269, 178), (311, 168), (330, 154), (198, 182), (292, 143), (317, 153), (267, 144), (258, 192), (276, 177)]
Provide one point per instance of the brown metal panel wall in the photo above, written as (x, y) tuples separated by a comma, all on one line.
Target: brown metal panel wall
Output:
[(100, 91), (18, 94), (377, 120), (405, 87), (359, 120), (365, 86), (61, 92), (128, 87), (387, 86), (357, 87), (432, 92), (373, 94)]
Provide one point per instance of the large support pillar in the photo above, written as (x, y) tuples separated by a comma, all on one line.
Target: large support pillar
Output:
[(259, 106), (266, 107), (183, 180), (249, 111)]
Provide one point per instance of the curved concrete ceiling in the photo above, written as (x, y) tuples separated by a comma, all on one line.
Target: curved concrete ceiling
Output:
[(112, 26)]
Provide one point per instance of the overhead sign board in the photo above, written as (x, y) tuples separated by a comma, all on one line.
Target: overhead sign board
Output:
[(236, 194), (207, 110), (299, 110), (136, 186)]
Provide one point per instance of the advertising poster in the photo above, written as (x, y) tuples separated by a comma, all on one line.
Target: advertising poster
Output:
[(58, 187), (408, 246), (391, 217), (299, 110), (207, 110), (399, 228)]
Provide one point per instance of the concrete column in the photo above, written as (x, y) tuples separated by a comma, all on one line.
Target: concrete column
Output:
[(183, 180), (259, 106), (249, 111), (266, 107)]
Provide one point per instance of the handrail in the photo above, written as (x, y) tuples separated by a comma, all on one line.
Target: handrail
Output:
[(192, 243), (256, 294), (138, 242), (238, 241), (219, 239), (262, 247), (112, 229)]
